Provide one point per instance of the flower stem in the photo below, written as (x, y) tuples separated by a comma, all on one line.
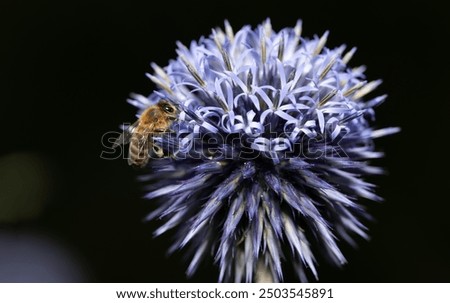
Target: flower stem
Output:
[(263, 273)]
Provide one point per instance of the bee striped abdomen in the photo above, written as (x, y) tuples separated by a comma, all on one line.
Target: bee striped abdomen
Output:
[(138, 151)]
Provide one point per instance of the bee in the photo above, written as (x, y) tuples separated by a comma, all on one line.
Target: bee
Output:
[(154, 121)]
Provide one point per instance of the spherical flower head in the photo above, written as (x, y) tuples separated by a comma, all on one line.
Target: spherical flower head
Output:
[(268, 153)]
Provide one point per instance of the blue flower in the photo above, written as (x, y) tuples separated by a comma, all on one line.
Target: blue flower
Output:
[(268, 154)]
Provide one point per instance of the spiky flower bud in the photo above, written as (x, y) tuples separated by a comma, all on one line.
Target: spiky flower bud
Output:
[(268, 154)]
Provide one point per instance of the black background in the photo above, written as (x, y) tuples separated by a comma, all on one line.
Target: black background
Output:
[(66, 69)]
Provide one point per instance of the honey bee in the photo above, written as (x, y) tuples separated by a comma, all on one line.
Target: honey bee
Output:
[(155, 120)]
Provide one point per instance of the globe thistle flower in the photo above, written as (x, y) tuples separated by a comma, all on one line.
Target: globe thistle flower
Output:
[(268, 153)]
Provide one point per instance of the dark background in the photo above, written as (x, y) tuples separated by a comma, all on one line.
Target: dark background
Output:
[(66, 69)]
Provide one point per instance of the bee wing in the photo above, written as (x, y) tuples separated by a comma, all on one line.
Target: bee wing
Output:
[(125, 136)]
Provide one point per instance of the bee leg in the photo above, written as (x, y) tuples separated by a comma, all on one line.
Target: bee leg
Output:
[(157, 151)]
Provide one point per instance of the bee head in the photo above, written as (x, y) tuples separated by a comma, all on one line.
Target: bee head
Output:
[(168, 108)]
